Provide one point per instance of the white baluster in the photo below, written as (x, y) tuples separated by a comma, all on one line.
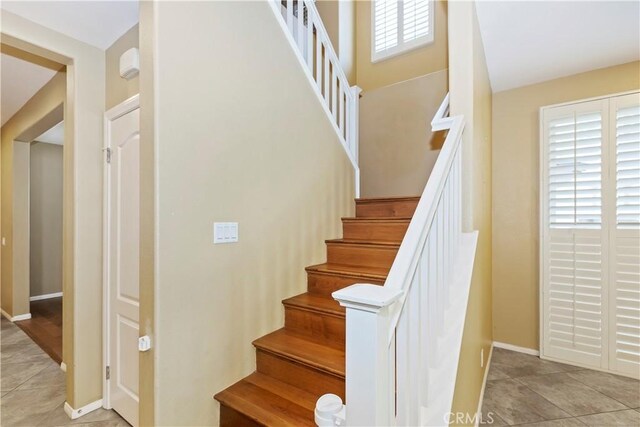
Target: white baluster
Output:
[(319, 60), (300, 30), (309, 38), (327, 75), (290, 15), (343, 113), (334, 93)]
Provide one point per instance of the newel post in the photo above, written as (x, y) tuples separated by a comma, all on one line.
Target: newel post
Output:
[(369, 380)]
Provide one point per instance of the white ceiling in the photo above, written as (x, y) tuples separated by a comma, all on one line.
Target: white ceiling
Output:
[(98, 23), (55, 135), (19, 81), (528, 42)]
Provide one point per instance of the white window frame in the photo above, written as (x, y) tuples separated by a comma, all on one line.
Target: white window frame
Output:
[(401, 47)]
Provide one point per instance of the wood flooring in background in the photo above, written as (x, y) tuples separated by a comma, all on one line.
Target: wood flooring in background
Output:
[(45, 326)]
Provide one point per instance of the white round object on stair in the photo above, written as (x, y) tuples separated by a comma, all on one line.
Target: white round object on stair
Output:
[(130, 63), (328, 407)]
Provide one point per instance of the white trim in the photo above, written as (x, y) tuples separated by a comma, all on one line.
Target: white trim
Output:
[(517, 348), (479, 413), (77, 413), (63, 367), (17, 318), (45, 296), (114, 113), (595, 98)]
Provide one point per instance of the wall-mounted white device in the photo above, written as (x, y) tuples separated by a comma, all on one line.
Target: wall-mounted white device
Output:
[(225, 232), (130, 63), (144, 343)]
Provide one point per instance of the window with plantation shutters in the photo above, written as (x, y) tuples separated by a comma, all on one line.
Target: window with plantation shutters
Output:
[(590, 233), (398, 26), (575, 170)]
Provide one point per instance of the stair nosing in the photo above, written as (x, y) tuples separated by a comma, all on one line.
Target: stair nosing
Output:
[(376, 243), (387, 199), (376, 219), (298, 359), (315, 269), (315, 309)]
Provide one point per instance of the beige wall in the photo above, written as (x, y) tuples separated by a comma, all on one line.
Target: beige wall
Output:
[(30, 120), (471, 95), (82, 215), (260, 151), (339, 19), (516, 192), (397, 148), (45, 215), (418, 62), (118, 89)]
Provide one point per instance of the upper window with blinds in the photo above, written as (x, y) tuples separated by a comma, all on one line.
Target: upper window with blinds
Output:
[(398, 26), (628, 167), (574, 167)]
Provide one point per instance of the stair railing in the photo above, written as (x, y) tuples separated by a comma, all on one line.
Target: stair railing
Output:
[(403, 338), (307, 35)]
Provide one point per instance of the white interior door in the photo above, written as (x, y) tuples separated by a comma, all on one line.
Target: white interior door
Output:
[(123, 176)]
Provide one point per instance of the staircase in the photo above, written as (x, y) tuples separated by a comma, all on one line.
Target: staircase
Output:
[(306, 359)]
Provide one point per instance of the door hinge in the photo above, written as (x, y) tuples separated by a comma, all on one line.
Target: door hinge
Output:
[(107, 372), (108, 151)]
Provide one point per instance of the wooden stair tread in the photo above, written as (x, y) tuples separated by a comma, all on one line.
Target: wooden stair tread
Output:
[(269, 402), (376, 219), (316, 303), (294, 347), (367, 243), (388, 199), (379, 273)]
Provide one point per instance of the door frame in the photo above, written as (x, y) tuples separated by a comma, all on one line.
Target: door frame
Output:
[(111, 115)]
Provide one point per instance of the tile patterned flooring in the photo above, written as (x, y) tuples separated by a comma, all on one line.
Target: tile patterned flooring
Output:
[(521, 390), (33, 387), (525, 390)]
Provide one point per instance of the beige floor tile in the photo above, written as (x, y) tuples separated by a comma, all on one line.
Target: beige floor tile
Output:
[(26, 407), (570, 395), (15, 374), (58, 418), (628, 418), (22, 352), (516, 404), (622, 389), (565, 422), (514, 364), (51, 376)]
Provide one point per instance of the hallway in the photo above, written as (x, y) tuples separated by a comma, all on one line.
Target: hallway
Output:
[(33, 386), (525, 390)]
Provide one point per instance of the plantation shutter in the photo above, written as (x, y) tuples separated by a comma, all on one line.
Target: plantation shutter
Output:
[(625, 236), (574, 236), (398, 26)]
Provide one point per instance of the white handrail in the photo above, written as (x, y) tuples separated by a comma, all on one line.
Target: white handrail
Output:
[(402, 341), (309, 39)]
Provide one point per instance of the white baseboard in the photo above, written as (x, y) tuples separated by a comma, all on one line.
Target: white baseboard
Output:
[(479, 413), (17, 318), (516, 348), (45, 296), (77, 413), (63, 367)]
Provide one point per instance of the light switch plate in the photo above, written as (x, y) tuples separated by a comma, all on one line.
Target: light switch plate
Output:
[(225, 232)]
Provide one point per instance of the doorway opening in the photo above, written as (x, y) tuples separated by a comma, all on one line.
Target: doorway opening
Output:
[(45, 241)]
